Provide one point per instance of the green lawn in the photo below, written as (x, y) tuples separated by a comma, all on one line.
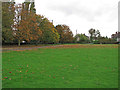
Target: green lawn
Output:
[(61, 68)]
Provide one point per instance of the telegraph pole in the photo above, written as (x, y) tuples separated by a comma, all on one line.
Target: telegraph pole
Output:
[(52, 21), (76, 31)]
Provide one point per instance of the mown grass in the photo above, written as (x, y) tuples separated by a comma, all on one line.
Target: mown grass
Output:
[(61, 68)]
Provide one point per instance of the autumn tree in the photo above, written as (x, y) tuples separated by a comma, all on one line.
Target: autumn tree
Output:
[(49, 33), (26, 27), (66, 35), (8, 12)]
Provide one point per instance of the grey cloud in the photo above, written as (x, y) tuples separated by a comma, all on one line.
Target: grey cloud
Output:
[(74, 10), (80, 10)]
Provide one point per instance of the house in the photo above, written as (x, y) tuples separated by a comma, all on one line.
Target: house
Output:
[(116, 36)]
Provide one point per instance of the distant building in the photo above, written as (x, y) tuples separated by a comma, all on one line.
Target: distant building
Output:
[(116, 36)]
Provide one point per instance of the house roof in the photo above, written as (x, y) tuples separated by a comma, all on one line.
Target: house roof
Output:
[(116, 35)]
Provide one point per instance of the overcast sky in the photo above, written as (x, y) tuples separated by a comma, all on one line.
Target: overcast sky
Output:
[(81, 15)]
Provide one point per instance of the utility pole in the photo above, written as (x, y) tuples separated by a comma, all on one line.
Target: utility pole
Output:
[(76, 31), (52, 21)]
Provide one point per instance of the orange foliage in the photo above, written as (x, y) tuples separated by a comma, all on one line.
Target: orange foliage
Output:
[(27, 28)]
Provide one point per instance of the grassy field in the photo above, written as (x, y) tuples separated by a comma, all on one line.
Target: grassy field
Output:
[(73, 67)]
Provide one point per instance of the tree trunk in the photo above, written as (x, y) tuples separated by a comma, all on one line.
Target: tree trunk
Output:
[(18, 42)]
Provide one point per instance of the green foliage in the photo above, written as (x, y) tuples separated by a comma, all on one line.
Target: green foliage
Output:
[(7, 35), (94, 34), (49, 33), (7, 21), (106, 40), (81, 38), (96, 42)]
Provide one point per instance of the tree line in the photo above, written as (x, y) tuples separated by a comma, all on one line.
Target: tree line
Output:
[(21, 23)]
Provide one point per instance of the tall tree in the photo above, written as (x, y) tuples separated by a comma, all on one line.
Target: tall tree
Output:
[(8, 12), (97, 35), (66, 35), (94, 34), (91, 32), (50, 34), (32, 7), (29, 6), (26, 27)]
